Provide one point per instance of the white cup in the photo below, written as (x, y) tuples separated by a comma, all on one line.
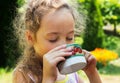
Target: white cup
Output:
[(73, 63)]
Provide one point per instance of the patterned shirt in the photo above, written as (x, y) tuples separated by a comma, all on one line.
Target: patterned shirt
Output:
[(70, 78)]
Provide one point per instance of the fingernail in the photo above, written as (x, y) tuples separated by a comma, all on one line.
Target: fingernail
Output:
[(70, 48)]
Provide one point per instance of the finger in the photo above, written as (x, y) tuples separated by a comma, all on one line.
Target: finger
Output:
[(58, 48), (59, 59), (56, 54), (92, 60), (86, 53), (63, 54), (69, 49)]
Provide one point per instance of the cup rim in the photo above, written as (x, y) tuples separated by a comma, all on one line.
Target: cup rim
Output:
[(74, 44)]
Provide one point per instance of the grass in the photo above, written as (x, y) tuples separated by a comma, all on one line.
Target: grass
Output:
[(108, 74), (113, 68), (5, 76)]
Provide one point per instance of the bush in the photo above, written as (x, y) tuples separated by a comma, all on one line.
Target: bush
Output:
[(112, 43), (94, 35), (8, 42)]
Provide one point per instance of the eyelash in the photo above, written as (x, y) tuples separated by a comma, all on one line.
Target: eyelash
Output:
[(68, 39), (53, 40)]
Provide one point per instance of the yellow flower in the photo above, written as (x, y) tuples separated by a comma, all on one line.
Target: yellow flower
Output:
[(103, 55)]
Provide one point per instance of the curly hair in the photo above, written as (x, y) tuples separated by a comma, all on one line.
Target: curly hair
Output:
[(29, 18), (31, 13)]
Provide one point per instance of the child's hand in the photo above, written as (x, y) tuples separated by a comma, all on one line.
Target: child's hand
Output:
[(91, 62), (90, 69), (52, 58)]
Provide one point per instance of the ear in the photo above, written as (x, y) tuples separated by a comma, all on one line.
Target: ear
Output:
[(29, 37)]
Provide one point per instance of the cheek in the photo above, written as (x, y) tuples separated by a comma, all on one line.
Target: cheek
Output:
[(49, 47), (44, 48)]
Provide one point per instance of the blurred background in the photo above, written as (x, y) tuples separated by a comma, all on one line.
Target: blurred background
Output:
[(101, 37)]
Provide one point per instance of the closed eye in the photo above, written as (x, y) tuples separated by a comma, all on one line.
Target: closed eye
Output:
[(52, 41), (69, 39)]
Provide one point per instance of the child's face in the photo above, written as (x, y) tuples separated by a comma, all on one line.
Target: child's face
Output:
[(57, 28)]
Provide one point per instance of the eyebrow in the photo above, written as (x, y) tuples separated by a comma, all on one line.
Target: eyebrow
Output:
[(56, 33), (52, 33), (71, 32)]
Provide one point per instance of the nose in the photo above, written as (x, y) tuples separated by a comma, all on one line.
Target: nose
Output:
[(62, 42)]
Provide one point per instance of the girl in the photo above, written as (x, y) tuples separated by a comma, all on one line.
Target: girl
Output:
[(49, 26)]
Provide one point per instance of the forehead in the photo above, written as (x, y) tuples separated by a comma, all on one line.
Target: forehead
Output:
[(57, 20)]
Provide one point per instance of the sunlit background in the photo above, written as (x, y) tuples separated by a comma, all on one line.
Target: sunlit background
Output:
[(101, 37)]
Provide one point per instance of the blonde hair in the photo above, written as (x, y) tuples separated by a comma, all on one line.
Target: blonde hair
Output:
[(32, 12)]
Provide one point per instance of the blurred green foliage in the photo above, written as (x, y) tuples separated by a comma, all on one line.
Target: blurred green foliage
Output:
[(112, 43), (111, 12), (110, 69), (98, 12), (79, 40), (5, 75), (8, 42), (20, 2), (94, 36)]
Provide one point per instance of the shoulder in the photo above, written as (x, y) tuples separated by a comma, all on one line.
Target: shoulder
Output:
[(19, 76), (24, 75)]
